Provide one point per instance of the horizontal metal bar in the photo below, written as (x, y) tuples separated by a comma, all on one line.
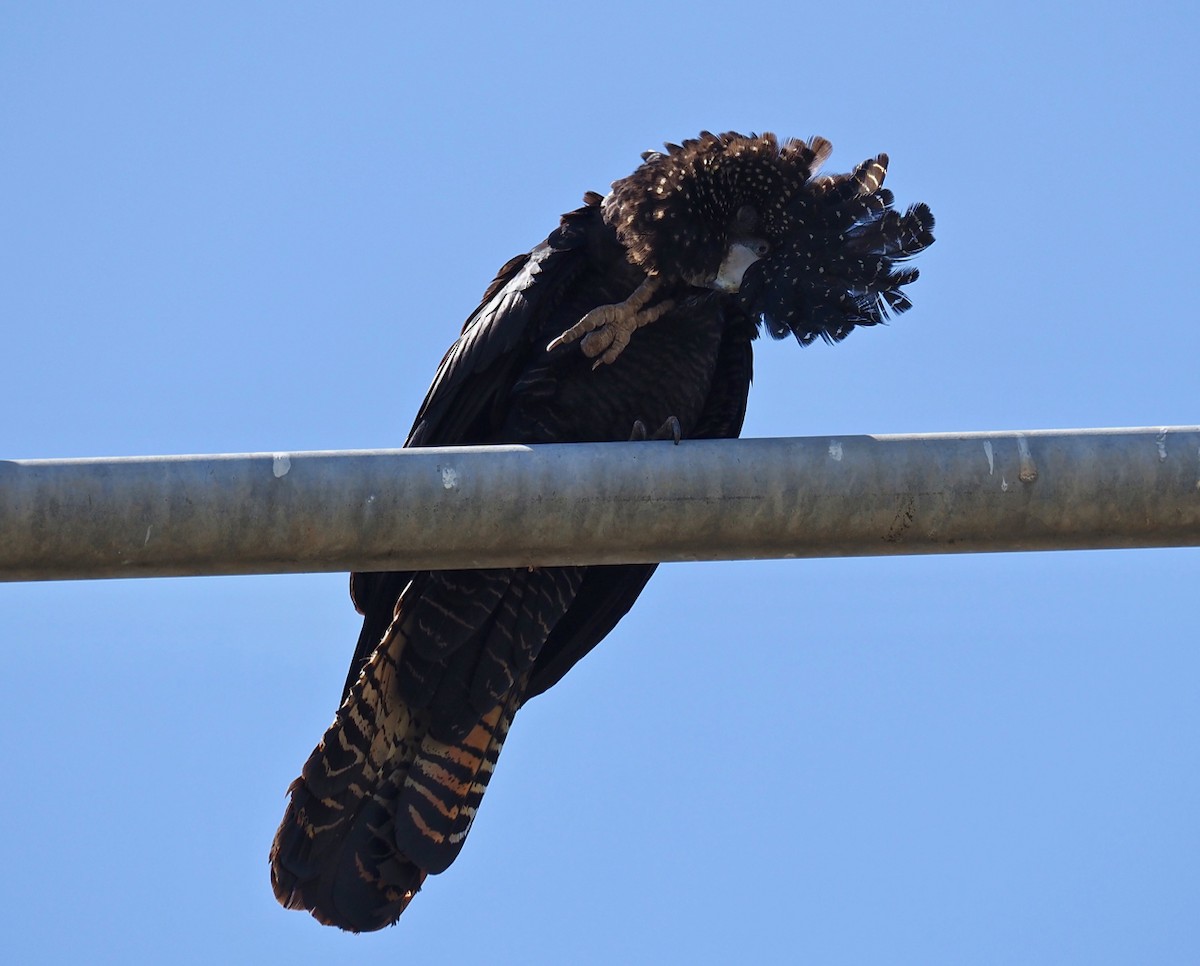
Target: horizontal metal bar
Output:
[(599, 503)]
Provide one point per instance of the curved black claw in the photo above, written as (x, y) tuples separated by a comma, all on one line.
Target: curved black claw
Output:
[(670, 429)]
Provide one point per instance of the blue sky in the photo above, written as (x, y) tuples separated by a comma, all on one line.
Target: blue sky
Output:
[(236, 228)]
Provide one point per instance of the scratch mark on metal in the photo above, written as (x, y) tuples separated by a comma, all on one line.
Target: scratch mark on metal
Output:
[(449, 477), (835, 450), (280, 464), (987, 448), (905, 515), (1161, 442)]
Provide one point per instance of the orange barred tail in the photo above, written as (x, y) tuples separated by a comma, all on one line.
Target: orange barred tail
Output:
[(381, 802), (444, 787)]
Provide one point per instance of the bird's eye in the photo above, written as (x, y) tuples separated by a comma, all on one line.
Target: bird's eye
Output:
[(761, 248)]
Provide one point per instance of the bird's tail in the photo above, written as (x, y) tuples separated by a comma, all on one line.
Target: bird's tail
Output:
[(381, 802)]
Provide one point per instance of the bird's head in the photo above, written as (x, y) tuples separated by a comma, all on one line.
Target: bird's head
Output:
[(747, 215), (746, 244), (703, 211)]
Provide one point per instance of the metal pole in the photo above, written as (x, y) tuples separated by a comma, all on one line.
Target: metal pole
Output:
[(599, 503)]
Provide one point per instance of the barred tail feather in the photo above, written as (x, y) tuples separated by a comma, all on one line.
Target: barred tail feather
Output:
[(332, 854), (443, 788), (381, 803)]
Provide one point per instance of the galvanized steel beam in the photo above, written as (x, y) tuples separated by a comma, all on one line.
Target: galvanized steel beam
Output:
[(599, 503)]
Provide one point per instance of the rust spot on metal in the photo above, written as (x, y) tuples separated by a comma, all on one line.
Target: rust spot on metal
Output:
[(1028, 469)]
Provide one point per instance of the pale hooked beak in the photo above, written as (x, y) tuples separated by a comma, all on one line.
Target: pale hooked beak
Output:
[(742, 253)]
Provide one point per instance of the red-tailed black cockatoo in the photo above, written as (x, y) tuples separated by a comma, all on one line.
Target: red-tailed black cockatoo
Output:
[(635, 318)]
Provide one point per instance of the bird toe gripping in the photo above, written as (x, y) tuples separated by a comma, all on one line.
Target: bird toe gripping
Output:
[(606, 329), (670, 429)]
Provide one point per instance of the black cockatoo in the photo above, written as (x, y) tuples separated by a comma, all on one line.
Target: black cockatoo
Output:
[(665, 283)]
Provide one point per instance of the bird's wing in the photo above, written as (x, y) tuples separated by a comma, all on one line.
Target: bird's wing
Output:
[(465, 399), (604, 597), (498, 337)]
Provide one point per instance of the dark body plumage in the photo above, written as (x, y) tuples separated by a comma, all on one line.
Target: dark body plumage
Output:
[(446, 658)]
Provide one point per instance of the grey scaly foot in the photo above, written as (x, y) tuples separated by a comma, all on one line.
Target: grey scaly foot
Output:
[(606, 329)]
